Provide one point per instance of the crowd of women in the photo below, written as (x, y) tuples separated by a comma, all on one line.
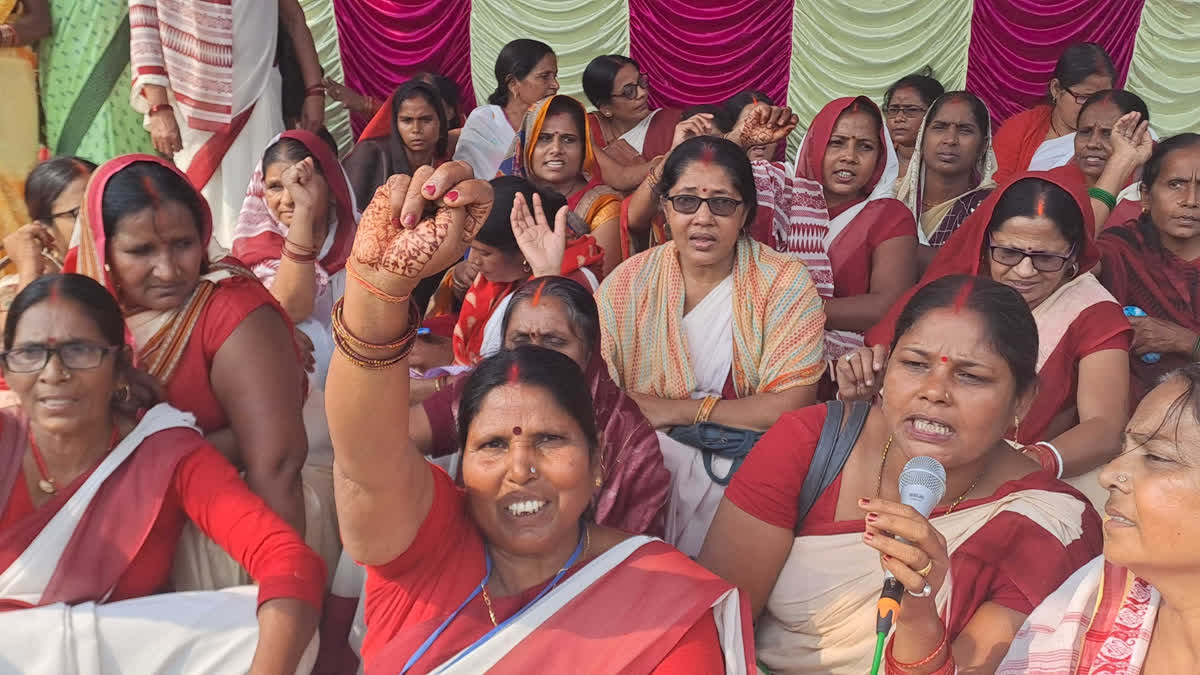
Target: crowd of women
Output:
[(653, 372)]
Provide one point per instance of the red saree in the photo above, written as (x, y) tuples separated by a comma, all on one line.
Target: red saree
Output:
[(652, 613), (124, 543), (1140, 272), (657, 140), (1018, 139), (1088, 321), (176, 346), (1013, 547)]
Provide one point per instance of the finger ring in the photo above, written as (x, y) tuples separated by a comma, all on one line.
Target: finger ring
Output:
[(924, 571), (925, 592), (849, 356)]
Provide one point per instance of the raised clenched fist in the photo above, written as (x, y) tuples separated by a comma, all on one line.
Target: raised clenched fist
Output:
[(418, 226), (761, 124)]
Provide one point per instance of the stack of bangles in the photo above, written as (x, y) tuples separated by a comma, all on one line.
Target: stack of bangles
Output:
[(349, 344), (894, 667), (1108, 198), (297, 253), (706, 408), (315, 90)]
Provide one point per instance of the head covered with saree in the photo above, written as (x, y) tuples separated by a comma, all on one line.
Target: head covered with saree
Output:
[(160, 333), (520, 154), (967, 250), (910, 189), (259, 235)]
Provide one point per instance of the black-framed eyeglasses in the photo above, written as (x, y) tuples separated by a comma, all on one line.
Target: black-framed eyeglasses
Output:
[(74, 355), (1079, 98), (1042, 260), (905, 111), (73, 213), (718, 206), (630, 91)]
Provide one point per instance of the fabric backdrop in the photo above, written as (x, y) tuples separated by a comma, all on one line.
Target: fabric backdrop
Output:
[(1165, 70), (703, 51), (385, 42), (577, 31)]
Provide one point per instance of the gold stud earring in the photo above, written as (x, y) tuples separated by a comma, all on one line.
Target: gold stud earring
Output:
[(598, 482)]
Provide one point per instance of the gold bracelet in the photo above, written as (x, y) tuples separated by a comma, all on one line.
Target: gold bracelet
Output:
[(706, 408)]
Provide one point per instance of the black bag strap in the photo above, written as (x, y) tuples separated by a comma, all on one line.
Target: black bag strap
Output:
[(833, 449)]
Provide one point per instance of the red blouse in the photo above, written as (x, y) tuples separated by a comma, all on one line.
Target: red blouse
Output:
[(190, 387), (1009, 561), (207, 490), (851, 253), (443, 565)]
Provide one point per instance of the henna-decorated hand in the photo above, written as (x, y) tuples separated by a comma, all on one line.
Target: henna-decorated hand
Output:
[(761, 124), (543, 248), (420, 226)]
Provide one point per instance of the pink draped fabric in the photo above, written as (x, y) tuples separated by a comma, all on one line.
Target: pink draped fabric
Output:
[(706, 51), (385, 42), (1015, 44)]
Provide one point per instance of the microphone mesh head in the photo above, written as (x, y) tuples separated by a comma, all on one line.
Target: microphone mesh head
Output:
[(925, 472)]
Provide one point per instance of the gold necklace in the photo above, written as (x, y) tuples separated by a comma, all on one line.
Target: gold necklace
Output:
[(883, 462), (487, 600)]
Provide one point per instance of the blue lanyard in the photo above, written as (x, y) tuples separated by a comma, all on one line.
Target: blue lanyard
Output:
[(504, 624)]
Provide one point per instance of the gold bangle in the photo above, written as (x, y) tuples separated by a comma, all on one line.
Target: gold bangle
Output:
[(346, 342), (706, 408)]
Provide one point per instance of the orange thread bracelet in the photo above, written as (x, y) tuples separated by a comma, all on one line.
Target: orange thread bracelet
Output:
[(372, 289)]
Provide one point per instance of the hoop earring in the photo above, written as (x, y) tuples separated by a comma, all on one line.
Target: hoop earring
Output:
[(1074, 270), (122, 394), (525, 267)]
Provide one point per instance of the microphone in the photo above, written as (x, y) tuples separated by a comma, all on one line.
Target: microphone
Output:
[(922, 486)]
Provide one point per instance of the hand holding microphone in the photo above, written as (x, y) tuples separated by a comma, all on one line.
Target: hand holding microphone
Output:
[(914, 553)]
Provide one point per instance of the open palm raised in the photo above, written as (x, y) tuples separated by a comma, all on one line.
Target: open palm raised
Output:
[(543, 248)]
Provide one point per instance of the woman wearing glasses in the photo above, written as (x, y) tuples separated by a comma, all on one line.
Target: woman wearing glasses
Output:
[(623, 124), (904, 107), (1034, 234), (53, 195), (93, 496), (1042, 137), (711, 326)]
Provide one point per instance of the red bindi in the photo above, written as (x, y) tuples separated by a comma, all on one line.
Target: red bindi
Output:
[(945, 360), (516, 431)]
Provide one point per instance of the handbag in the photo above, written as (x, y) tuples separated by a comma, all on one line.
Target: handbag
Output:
[(713, 439)]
